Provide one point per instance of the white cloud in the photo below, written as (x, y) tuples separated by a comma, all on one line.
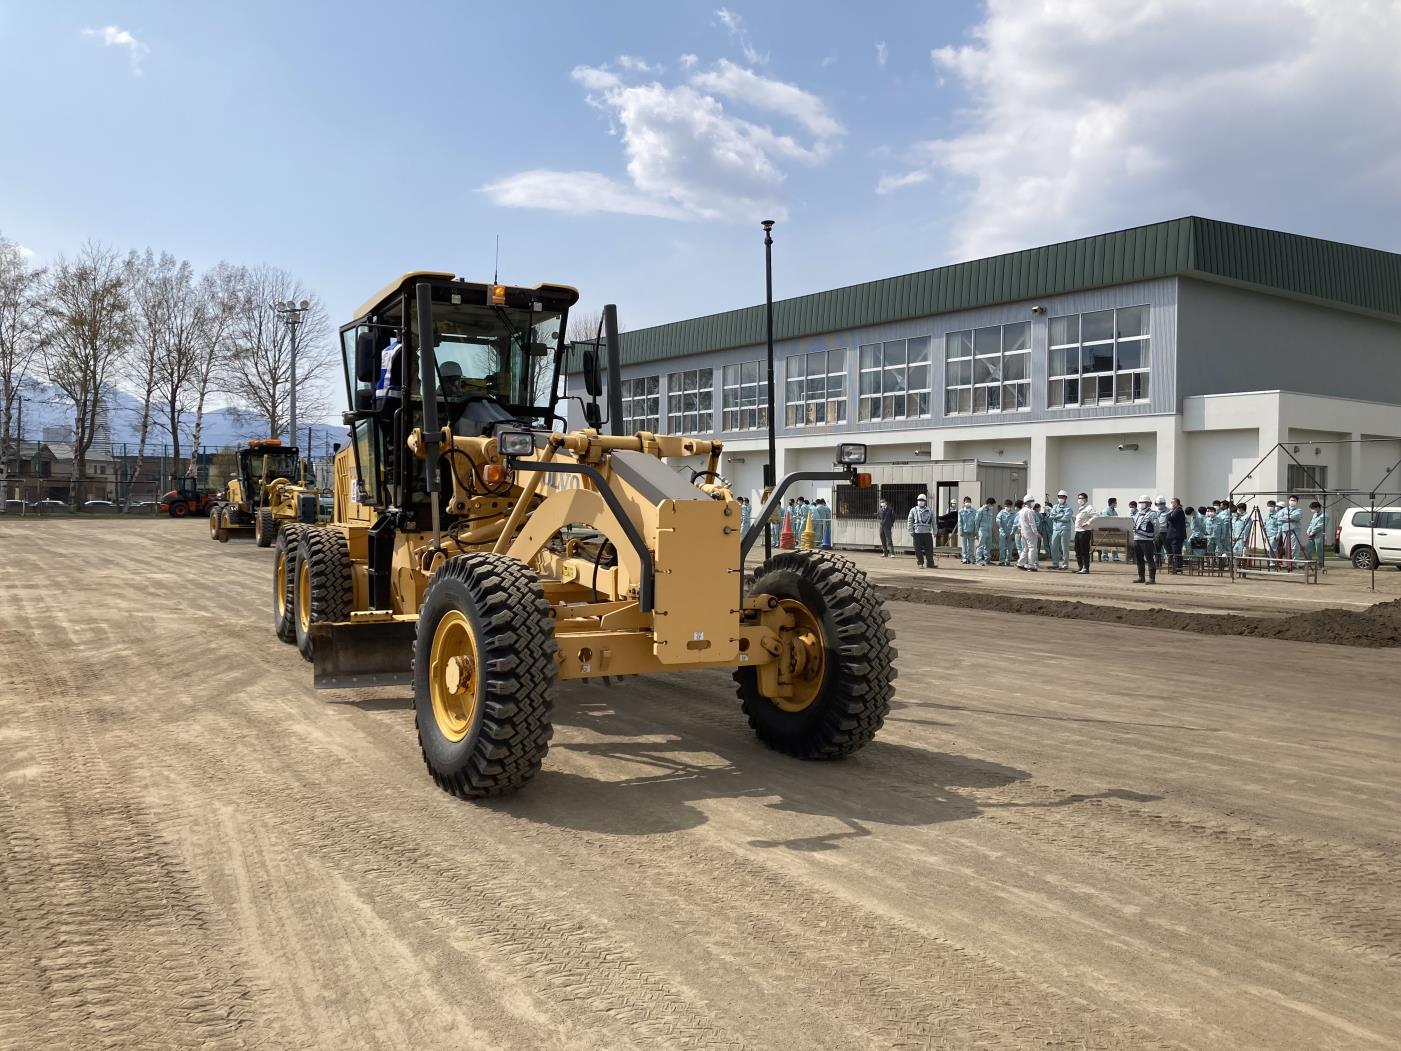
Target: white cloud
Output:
[(1277, 112), (735, 26), (575, 192), (637, 65), (744, 85), (114, 36), (688, 60), (27, 254), (882, 53), (687, 155), (889, 183)]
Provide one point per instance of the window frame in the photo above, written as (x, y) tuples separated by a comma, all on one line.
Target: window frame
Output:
[(804, 411), (1125, 386), (650, 418), (743, 413), (680, 385), (983, 390), (894, 389)]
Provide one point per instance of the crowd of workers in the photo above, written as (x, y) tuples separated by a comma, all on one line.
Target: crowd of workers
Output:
[(1162, 532)]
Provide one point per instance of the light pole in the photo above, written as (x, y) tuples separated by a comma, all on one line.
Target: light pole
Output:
[(770, 469), (292, 314)]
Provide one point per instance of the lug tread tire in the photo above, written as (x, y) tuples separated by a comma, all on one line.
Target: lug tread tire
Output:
[(516, 649), (853, 704), (288, 540), (264, 527), (332, 587)]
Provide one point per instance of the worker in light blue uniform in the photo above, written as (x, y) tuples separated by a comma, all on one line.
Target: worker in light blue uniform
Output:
[(1006, 534), (986, 521), (1111, 510), (1061, 515), (822, 524), (799, 518), (1240, 530), (1271, 518), (746, 514), (967, 530), (1317, 534), (1291, 529)]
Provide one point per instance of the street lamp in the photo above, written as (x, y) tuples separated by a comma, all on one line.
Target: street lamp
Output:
[(292, 314), (770, 475)]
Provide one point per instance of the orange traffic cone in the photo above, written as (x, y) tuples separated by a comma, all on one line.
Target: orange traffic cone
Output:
[(786, 540), (808, 540)]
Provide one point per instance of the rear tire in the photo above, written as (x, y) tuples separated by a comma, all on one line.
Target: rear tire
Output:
[(215, 527), (264, 527), (484, 669), (852, 698), (179, 510), (1363, 557), (323, 587), (284, 576)]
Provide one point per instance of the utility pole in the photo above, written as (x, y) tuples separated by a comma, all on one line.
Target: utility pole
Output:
[(292, 314), (770, 476)]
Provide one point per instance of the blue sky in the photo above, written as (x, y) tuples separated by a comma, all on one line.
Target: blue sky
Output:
[(631, 148)]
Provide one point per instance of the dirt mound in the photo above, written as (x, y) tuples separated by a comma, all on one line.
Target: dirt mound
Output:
[(1377, 626)]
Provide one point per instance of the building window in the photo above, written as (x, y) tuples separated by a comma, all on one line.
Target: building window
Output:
[(690, 402), (1306, 478), (894, 379), (1099, 358), (815, 388), (641, 405), (745, 398), (988, 369)]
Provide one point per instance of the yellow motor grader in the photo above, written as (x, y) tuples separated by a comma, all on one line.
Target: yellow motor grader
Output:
[(482, 557), (263, 496)]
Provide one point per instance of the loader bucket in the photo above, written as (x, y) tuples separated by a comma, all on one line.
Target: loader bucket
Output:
[(350, 656)]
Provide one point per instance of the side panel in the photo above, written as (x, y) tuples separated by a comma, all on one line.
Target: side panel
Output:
[(697, 582)]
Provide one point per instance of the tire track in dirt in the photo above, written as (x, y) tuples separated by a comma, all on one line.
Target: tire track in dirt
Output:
[(110, 922), (1348, 897), (889, 982)]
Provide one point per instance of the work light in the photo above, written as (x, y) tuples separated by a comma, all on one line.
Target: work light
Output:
[(515, 443), (850, 454)]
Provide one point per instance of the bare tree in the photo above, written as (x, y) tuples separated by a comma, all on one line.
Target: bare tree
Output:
[(259, 370), (142, 359), (182, 318), (22, 324), (220, 291), (92, 326)]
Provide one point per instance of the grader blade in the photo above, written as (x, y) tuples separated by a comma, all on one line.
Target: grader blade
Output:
[(353, 656)]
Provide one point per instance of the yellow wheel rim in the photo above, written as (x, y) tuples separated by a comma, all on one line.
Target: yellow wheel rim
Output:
[(452, 675), (304, 595), (810, 657), (280, 590)]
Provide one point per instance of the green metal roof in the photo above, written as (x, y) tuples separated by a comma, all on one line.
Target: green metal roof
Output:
[(1363, 279)]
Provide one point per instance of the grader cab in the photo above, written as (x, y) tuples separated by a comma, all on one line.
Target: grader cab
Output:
[(481, 556), (270, 490)]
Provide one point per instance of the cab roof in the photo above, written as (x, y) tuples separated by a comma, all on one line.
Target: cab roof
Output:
[(402, 282)]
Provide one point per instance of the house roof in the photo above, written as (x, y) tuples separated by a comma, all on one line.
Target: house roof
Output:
[(1365, 280)]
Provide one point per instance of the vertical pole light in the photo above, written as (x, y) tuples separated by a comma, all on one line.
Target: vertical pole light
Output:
[(770, 477), (292, 313)]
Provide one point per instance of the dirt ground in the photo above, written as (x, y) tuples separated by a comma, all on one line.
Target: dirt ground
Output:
[(1070, 834)]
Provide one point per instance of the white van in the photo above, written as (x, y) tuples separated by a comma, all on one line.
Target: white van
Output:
[(1368, 542)]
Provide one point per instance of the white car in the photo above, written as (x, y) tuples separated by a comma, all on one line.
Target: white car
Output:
[(1369, 541), (99, 505)]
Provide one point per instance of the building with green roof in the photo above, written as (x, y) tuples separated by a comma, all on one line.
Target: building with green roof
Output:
[(1166, 358)]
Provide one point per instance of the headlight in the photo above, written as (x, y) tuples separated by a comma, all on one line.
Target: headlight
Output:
[(515, 443), (849, 454)]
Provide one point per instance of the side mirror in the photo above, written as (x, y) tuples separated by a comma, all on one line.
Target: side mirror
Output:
[(366, 360), (592, 382), (592, 415), (364, 400), (538, 349)]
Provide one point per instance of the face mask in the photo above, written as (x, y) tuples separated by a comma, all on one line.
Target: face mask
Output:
[(1060, 499)]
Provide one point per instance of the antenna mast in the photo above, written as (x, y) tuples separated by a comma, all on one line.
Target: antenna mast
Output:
[(496, 272)]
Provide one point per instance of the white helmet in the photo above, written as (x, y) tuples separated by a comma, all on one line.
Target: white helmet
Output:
[(1028, 499), (922, 496), (1160, 499), (1062, 493), (1143, 500)]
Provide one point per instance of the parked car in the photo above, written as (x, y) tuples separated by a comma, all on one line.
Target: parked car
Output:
[(1370, 538), (14, 507), (49, 505), (99, 505), (142, 505)]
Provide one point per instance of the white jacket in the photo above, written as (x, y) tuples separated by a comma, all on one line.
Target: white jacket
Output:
[(1084, 517), (1026, 521)]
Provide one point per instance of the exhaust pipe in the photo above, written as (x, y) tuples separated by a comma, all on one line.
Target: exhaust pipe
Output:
[(615, 369)]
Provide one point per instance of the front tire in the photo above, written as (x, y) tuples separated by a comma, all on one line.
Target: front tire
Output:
[(845, 702), (264, 527), (284, 576), (323, 587), (484, 671), (1363, 558), (179, 510)]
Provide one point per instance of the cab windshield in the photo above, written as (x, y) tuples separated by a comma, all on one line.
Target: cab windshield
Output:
[(497, 353), (280, 464)]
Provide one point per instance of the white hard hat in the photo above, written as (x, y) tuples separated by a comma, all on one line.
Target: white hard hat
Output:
[(1144, 499), (1062, 493), (1028, 499), (921, 496), (1160, 499)]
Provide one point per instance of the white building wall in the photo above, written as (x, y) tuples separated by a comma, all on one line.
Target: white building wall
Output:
[(1210, 469)]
